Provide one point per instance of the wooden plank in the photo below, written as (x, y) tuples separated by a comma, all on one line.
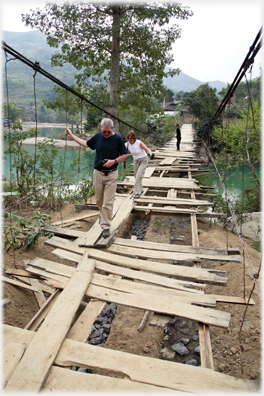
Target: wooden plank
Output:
[(73, 219), (43, 311), (135, 287), (167, 161), (173, 201), (121, 215), (178, 183), (170, 210), (39, 294), (82, 328), (164, 255), (12, 353), (131, 274), (193, 274), (20, 284), (149, 171), (14, 272), (33, 369), (234, 300), (63, 231), (205, 347), (61, 380), (145, 370), (95, 231), (171, 247)]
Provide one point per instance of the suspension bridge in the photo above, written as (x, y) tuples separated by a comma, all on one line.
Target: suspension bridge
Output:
[(131, 273)]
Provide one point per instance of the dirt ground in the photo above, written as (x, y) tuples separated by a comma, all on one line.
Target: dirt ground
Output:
[(124, 336)]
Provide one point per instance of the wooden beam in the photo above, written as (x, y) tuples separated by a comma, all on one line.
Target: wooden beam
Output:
[(33, 369), (132, 274), (146, 370), (187, 273)]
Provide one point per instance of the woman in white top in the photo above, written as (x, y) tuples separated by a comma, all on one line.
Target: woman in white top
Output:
[(139, 152)]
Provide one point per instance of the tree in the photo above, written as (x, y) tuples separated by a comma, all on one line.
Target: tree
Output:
[(127, 45), (12, 111), (67, 103), (202, 104), (241, 141), (169, 95)]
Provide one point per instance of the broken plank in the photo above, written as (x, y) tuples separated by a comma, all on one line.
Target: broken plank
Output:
[(63, 231), (137, 288), (95, 231), (20, 284), (145, 370), (43, 311), (39, 294), (172, 248), (123, 212), (132, 274), (164, 255), (173, 201), (73, 219), (157, 209), (31, 372), (61, 380), (187, 273)]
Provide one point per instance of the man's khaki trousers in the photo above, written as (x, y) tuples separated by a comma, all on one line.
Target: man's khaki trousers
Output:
[(104, 190)]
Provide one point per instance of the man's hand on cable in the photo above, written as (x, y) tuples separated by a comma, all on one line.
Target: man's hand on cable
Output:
[(68, 132)]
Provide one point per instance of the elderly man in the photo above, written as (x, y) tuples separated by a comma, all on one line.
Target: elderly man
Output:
[(110, 150)]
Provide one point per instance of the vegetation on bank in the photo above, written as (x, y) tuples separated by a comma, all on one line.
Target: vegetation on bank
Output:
[(235, 140)]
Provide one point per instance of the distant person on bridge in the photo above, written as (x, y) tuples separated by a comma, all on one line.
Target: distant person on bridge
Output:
[(178, 137), (139, 152), (110, 149)]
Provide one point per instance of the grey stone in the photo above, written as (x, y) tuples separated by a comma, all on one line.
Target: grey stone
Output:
[(195, 337), (185, 341), (82, 370), (96, 341), (197, 350), (165, 354), (106, 328), (180, 349), (192, 362), (95, 334)]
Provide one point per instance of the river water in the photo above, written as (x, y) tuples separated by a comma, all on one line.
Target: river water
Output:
[(234, 180), (68, 155)]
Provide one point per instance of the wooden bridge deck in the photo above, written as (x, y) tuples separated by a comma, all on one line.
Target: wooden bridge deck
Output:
[(39, 356)]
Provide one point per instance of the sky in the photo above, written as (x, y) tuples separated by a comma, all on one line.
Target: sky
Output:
[(214, 41)]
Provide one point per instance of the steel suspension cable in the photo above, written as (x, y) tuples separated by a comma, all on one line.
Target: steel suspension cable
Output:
[(36, 66), (248, 61)]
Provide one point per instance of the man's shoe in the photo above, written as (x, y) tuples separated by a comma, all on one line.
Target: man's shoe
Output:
[(106, 233)]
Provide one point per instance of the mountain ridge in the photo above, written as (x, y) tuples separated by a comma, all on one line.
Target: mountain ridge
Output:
[(33, 45)]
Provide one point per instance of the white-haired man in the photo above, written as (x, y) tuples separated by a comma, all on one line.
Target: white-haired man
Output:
[(110, 150)]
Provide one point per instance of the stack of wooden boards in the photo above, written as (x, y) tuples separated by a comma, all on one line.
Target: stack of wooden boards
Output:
[(125, 272)]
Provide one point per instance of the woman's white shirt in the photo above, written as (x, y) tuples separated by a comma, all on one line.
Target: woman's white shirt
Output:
[(136, 150)]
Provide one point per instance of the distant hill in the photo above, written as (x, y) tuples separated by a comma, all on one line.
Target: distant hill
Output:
[(185, 83), (33, 45)]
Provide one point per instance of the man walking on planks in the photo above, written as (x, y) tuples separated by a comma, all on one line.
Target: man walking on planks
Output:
[(110, 150), (178, 136)]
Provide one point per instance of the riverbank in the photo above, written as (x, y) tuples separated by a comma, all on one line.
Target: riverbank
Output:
[(58, 142)]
